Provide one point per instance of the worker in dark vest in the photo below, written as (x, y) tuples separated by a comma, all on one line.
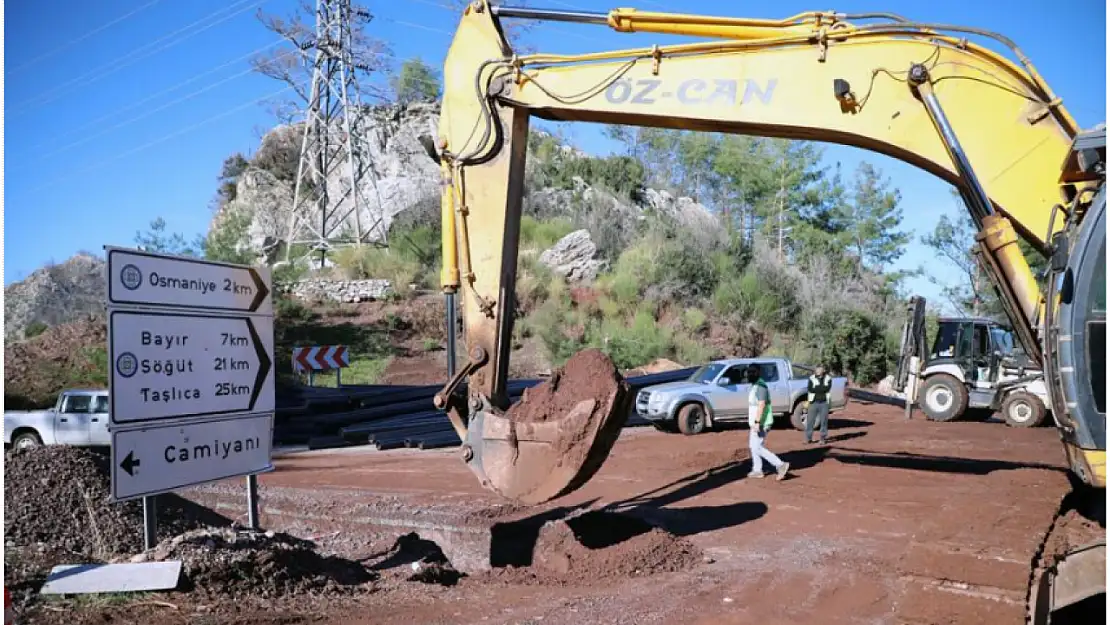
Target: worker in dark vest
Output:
[(820, 385)]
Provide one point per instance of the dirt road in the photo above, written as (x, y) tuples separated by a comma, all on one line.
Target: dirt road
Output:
[(893, 522)]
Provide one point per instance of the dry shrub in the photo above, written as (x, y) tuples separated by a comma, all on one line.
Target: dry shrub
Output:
[(360, 263)]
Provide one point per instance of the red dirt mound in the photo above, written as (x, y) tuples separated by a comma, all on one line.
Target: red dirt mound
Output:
[(598, 547), (589, 374)]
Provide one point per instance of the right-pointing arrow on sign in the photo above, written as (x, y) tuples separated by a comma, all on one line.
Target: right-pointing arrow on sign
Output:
[(260, 290), (129, 463), (263, 363)]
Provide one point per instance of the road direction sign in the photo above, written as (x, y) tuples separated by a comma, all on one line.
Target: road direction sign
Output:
[(144, 279), (165, 457), (172, 365)]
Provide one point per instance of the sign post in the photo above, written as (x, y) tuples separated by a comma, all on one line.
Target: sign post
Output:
[(321, 358), (191, 351)]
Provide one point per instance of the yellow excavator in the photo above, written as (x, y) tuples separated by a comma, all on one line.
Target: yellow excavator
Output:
[(920, 92)]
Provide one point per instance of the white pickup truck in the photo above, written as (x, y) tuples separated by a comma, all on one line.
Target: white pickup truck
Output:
[(80, 417), (717, 392)]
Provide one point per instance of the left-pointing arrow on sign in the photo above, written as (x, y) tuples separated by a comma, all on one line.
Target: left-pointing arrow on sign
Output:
[(129, 463)]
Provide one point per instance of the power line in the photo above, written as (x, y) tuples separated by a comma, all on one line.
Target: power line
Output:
[(204, 122), (92, 32), (146, 114), (418, 26), (114, 66), (171, 89)]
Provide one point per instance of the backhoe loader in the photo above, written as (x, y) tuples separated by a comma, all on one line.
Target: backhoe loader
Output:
[(920, 92)]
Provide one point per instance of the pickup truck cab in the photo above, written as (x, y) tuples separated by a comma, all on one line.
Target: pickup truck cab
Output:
[(717, 393), (80, 417)]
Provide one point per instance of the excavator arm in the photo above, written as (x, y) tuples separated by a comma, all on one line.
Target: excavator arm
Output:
[(918, 92)]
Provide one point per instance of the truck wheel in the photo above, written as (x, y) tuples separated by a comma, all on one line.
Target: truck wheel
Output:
[(691, 419), (799, 416), (943, 398), (26, 440), (1023, 410)]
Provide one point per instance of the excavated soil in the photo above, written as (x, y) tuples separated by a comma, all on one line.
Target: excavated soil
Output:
[(235, 563), (589, 374), (591, 548), (414, 559), (59, 496), (1071, 530)]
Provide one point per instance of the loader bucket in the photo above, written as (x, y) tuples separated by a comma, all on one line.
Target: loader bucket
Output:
[(556, 437)]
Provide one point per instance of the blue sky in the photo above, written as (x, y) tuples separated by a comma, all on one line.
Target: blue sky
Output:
[(111, 123)]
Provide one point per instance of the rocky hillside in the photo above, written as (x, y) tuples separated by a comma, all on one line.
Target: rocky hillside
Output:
[(68, 355), (403, 179), (53, 295)]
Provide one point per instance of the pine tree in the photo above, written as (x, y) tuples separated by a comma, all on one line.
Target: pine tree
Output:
[(416, 82), (870, 219)]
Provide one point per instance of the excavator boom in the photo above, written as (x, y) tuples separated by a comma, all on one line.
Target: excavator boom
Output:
[(919, 92)]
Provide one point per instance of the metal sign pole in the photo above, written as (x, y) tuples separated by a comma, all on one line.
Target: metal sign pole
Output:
[(150, 524), (252, 502)]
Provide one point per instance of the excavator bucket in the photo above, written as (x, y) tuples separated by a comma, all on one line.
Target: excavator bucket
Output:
[(552, 441)]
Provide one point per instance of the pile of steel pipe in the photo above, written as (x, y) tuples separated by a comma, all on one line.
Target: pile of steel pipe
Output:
[(392, 416)]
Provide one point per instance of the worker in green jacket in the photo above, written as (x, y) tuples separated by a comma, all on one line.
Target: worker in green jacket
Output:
[(760, 419)]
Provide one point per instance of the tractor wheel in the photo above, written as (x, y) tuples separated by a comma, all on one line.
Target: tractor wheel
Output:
[(691, 419), (943, 398), (1023, 410), (799, 416)]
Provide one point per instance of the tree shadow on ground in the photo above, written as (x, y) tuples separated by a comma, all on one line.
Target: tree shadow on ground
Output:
[(938, 464), (513, 542), (834, 424)]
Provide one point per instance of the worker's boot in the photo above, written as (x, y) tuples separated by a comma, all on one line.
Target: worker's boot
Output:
[(782, 471)]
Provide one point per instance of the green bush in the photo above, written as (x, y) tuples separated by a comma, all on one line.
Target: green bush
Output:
[(692, 353), (770, 301), (631, 345), (694, 320), (288, 310), (226, 242), (687, 269), (34, 328), (559, 327), (542, 234), (850, 342), (634, 271), (359, 263), (419, 244)]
